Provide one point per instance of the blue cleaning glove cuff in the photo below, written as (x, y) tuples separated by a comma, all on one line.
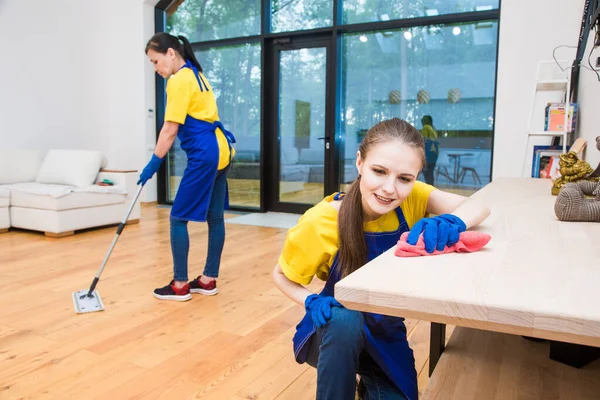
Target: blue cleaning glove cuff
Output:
[(155, 162), (150, 169), (455, 220)]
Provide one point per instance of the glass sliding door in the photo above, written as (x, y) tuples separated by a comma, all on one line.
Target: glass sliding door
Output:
[(300, 93)]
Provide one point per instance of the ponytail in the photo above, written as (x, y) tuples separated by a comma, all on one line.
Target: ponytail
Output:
[(162, 42), (352, 252), (188, 53)]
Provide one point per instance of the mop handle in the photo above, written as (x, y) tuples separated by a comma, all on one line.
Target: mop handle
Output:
[(112, 245)]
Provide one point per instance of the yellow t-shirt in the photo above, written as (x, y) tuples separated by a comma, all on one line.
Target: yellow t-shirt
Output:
[(185, 98), (311, 246), (429, 132)]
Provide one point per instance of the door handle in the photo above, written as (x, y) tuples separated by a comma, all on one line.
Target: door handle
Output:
[(326, 141)]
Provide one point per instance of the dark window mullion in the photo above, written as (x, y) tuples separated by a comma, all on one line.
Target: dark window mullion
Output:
[(337, 15), (160, 23), (226, 42), (266, 17), (264, 121), (163, 5)]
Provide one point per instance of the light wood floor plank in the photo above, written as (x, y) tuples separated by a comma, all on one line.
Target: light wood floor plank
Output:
[(303, 387)]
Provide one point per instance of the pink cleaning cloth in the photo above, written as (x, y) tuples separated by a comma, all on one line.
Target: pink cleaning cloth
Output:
[(468, 242)]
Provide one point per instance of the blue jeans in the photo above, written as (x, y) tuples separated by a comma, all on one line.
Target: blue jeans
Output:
[(180, 240), (338, 352), (428, 173)]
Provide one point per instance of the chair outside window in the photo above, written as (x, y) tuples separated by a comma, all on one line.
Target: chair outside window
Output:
[(441, 168), (470, 164)]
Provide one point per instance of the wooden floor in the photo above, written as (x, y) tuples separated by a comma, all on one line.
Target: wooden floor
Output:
[(236, 345)]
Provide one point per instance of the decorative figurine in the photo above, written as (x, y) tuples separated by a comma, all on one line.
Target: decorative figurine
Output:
[(572, 204), (572, 169), (597, 171)]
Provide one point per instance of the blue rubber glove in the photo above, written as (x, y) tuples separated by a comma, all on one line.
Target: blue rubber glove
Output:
[(438, 232), (150, 169), (319, 308)]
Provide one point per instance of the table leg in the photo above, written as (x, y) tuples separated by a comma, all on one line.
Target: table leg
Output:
[(437, 342), (455, 175), (574, 355)]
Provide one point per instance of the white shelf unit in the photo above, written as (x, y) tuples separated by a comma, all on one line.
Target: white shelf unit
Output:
[(550, 77)]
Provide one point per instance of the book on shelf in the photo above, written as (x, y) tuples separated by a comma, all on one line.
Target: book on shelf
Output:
[(545, 162), (555, 117)]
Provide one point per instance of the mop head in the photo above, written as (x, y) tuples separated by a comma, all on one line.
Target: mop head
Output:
[(86, 304)]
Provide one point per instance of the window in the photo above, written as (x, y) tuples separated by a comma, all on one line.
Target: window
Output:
[(203, 20), (444, 71), (296, 15)]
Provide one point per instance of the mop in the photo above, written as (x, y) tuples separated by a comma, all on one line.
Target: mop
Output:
[(86, 301)]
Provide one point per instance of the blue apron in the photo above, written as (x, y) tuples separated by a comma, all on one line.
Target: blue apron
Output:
[(199, 141), (385, 336)]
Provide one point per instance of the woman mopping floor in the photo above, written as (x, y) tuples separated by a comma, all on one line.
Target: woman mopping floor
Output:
[(191, 114)]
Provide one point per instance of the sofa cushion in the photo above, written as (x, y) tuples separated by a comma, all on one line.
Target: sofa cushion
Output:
[(19, 165), (4, 197), (70, 167), (49, 189), (4, 218), (20, 198)]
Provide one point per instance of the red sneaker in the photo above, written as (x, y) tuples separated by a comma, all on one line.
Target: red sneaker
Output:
[(207, 289), (170, 292)]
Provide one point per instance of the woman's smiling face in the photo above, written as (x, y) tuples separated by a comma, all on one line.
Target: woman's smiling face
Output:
[(388, 173)]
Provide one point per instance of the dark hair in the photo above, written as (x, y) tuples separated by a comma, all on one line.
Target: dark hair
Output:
[(162, 41), (427, 120), (352, 252)]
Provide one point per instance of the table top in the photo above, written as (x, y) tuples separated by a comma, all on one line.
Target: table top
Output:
[(538, 276)]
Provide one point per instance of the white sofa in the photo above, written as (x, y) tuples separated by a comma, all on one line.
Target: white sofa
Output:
[(4, 214), (56, 193)]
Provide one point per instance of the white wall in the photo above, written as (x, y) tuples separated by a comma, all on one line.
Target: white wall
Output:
[(529, 31), (74, 75), (46, 61)]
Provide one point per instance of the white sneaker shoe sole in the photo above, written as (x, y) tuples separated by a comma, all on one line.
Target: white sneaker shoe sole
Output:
[(205, 292), (173, 297)]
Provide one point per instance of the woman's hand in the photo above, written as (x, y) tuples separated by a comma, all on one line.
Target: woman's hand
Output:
[(319, 308), (150, 169), (438, 232)]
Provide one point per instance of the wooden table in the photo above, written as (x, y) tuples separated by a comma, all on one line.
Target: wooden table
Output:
[(537, 277)]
